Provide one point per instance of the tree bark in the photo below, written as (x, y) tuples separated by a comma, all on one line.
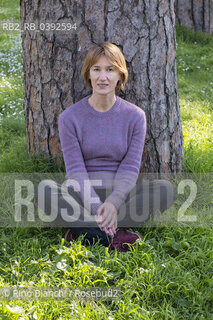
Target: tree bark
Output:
[(195, 14), (145, 32)]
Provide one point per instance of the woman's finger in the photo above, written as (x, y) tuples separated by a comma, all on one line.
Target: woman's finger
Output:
[(107, 217), (107, 222), (112, 222), (110, 232), (114, 230), (106, 230)]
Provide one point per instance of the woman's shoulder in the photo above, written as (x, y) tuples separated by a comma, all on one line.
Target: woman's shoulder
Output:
[(74, 110), (132, 109)]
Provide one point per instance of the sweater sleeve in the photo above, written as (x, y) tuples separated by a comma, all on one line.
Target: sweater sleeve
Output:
[(75, 166), (128, 170)]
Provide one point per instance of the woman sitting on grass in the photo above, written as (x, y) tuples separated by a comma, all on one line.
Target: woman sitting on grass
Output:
[(102, 139)]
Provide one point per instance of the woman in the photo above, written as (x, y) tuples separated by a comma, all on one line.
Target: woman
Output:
[(102, 139)]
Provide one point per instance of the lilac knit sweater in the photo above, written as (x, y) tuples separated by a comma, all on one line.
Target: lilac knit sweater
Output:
[(106, 146)]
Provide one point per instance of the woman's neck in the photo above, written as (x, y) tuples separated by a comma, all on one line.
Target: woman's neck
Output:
[(102, 102)]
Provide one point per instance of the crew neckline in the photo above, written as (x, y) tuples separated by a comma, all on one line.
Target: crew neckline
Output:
[(104, 113)]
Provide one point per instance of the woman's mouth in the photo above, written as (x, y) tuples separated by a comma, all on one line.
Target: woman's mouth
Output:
[(102, 85)]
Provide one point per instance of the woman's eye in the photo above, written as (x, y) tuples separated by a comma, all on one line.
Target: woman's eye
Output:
[(96, 69)]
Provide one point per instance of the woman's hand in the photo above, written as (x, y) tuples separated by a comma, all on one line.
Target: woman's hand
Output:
[(107, 217)]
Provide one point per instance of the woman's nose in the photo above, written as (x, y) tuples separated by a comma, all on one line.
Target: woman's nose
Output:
[(102, 75)]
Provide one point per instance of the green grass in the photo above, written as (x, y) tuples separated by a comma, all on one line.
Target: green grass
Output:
[(9, 10), (169, 274), (195, 84)]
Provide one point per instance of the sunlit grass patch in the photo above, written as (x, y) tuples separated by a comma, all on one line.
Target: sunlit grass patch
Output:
[(198, 136), (9, 9), (195, 74)]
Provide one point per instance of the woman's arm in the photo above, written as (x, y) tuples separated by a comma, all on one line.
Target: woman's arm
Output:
[(74, 163), (128, 170)]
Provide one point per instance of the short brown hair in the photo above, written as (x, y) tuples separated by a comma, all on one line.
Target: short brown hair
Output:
[(115, 57)]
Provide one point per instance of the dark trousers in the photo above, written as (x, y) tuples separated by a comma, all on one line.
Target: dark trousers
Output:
[(145, 200)]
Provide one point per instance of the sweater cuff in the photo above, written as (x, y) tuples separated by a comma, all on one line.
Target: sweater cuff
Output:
[(116, 199), (95, 206), (123, 184)]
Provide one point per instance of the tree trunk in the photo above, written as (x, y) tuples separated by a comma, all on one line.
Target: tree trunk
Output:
[(195, 14), (145, 32)]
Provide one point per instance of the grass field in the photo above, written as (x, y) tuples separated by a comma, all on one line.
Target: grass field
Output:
[(169, 274)]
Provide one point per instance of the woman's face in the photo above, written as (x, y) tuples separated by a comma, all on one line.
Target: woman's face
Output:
[(104, 76)]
